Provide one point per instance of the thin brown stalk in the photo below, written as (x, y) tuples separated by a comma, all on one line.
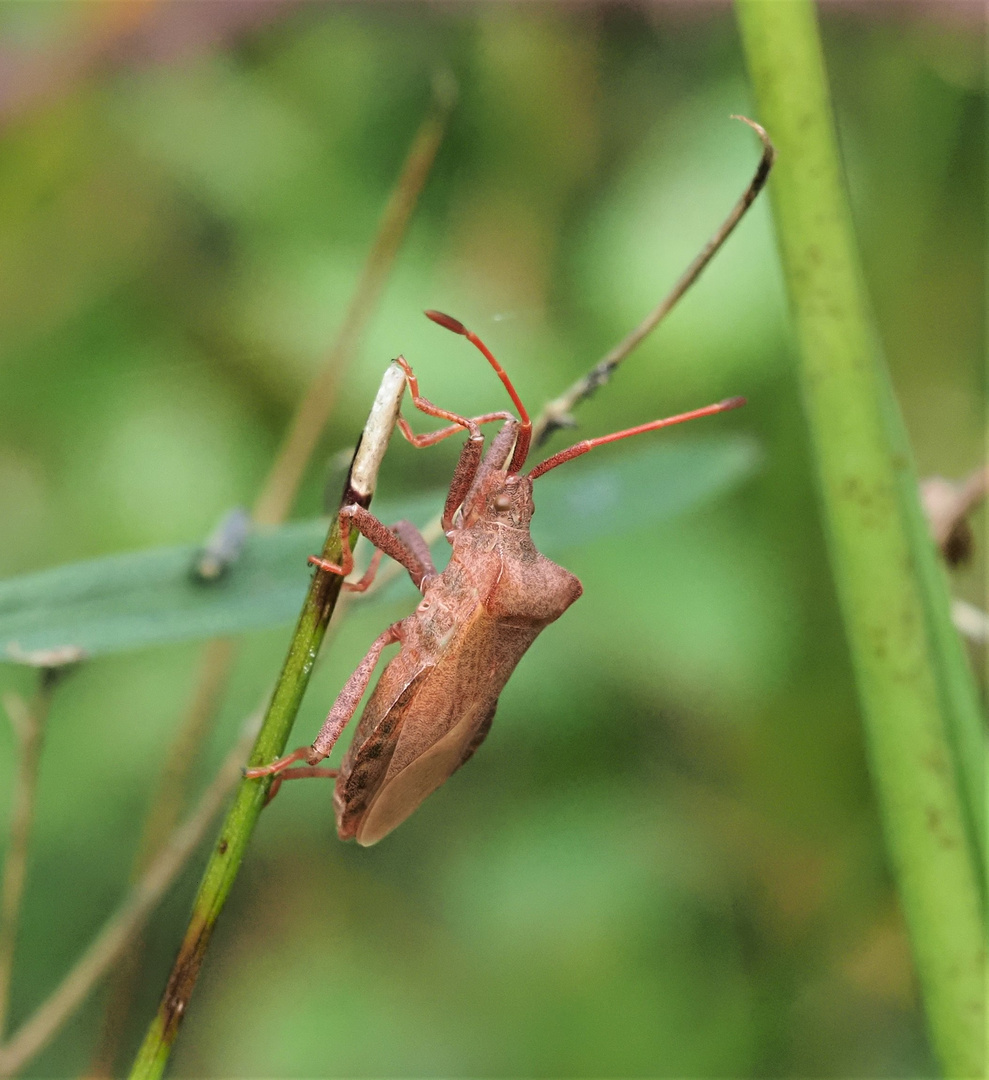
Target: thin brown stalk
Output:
[(120, 929), (271, 507), (558, 412), (28, 721), (278, 493)]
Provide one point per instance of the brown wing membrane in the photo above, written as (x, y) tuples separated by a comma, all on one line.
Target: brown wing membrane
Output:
[(403, 793), (445, 721), (367, 759)]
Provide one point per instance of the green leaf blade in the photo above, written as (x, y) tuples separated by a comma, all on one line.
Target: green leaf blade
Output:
[(140, 599)]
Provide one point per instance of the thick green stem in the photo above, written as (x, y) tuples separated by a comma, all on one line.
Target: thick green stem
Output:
[(238, 825), (917, 715)]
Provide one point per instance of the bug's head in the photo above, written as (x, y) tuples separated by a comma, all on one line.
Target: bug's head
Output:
[(500, 497)]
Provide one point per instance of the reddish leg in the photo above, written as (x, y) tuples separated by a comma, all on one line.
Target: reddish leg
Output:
[(410, 536), (363, 583), (416, 543), (460, 423), (384, 539), (350, 697), (470, 457), (433, 437), (343, 709), (296, 774)]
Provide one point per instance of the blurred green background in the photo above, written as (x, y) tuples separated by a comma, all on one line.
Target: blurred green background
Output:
[(665, 860)]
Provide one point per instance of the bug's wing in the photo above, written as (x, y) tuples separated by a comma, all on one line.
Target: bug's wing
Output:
[(446, 719), (369, 755), (402, 792)]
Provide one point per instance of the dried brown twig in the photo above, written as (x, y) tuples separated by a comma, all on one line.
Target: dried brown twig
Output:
[(28, 721), (120, 929)]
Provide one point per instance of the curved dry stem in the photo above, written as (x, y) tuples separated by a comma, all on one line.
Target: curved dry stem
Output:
[(557, 413)]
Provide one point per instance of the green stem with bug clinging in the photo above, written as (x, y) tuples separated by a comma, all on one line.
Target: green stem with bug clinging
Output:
[(916, 711), (271, 507), (238, 825)]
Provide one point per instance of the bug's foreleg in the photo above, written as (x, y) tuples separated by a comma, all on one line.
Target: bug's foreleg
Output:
[(343, 709), (394, 543)]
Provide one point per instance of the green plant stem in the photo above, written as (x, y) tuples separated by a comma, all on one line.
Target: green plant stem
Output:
[(238, 825), (28, 721), (877, 536)]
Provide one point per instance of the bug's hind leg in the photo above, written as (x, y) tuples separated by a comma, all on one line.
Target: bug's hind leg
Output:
[(302, 773), (350, 697), (343, 709)]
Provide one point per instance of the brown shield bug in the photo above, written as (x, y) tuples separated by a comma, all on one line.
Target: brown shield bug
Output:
[(434, 702)]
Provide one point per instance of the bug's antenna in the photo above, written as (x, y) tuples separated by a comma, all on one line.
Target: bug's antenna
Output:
[(588, 444), (525, 428)]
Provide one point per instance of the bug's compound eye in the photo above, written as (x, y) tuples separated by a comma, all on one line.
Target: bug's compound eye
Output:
[(502, 503)]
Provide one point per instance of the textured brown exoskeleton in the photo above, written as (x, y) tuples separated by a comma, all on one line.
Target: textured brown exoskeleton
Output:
[(435, 700)]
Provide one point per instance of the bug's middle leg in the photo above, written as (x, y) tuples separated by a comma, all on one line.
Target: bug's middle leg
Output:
[(402, 542)]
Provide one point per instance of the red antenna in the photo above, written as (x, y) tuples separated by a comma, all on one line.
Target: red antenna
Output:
[(525, 428), (588, 444)]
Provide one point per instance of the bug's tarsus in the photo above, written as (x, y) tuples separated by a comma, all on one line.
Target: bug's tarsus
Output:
[(363, 583), (303, 772), (278, 766), (588, 444), (471, 424), (525, 427)]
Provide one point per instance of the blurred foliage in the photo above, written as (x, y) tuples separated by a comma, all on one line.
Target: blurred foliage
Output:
[(666, 859)]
